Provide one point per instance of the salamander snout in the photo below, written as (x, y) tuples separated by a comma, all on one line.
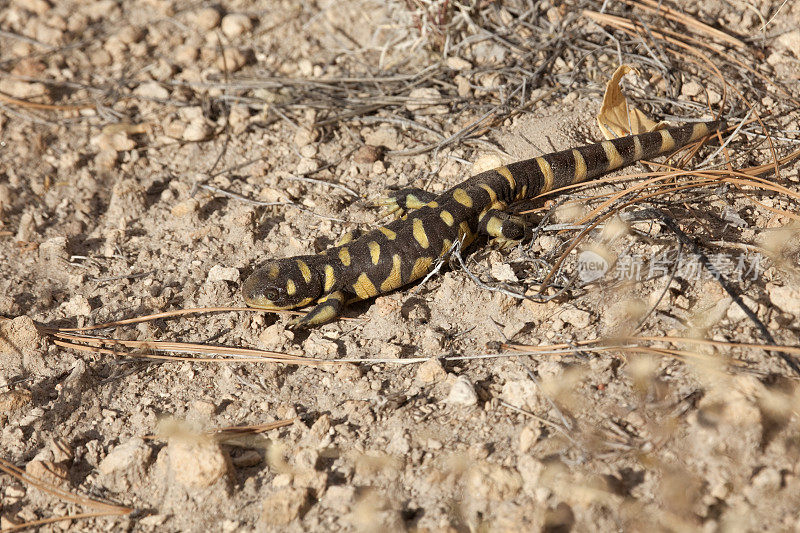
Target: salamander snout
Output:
[(281, 284)]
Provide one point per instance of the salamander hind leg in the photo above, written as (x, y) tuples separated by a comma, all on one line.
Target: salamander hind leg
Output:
[(507, 230), (405, 200), (327, 309)]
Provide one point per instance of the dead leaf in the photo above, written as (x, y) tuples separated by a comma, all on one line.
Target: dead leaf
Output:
[(616, 117)]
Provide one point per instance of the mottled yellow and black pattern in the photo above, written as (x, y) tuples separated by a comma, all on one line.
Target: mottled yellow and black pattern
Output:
[(407, 249)]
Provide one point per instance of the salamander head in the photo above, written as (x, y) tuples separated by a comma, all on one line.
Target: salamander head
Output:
[(282, 284)]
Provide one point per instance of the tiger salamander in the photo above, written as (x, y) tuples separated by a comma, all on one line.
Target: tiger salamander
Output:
[(407, 249)]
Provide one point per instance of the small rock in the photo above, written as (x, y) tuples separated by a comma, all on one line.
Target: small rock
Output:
[(457, 63), (273, 335), (431, 342), (368, 154), (129, 456), (153, 520), (232, 59), (62, 450), (21, 89), (691, 88), (577, 317), (311, 479), (431, 371), (152, 90), (100, 58), (307, 166), (306, 459), (463, 87), (340, 498), (284, 506), (735, 313), (207, 19), (40, 7), (785, 298), (186, 54), (486, 162), (282, 480), (231, 526), (399, 444), (492, 482), (462, 392), (48, 34), (106, 159), (378, 168), (48, 471), (130, 34), (54, 250), (20, 346), (128, 201), (14, 399), (523, 394), (235, 24), (8, 306), (26, 228), (383, 136), (768, 479), (528, 437), (423, 100), (78, 305), (6, 194), (318, 434), (308, 151), (15, 492), (504, 272), (197, 462), (221, 273), (530, 470), (204, 408), (304, 136), (789, 42), (118, 141), (306, 67), (197, 130), (513, 328), (184, 208)]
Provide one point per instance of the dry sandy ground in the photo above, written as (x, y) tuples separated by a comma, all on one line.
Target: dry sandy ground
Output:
[(118, 209)]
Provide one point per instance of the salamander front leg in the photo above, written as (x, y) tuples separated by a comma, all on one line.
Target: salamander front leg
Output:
[(405, 200), (327, 309), (507, 230)]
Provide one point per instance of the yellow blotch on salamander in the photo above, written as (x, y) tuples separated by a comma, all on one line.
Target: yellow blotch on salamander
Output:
[(547, 172), (394, 279), (329, 278), (419, 233), (421, 267), (389, 233), (344, 256), (447, 217), (612, 154), (374, 251), (364, 287), (462, 197), (667, 142), (304, 270)]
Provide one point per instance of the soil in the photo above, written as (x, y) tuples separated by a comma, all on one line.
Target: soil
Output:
[(141, 202)]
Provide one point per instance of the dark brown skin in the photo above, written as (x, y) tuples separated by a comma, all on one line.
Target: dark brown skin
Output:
[(407, 249)]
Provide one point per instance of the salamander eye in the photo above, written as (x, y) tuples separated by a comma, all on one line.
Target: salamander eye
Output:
[(271, 294)]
